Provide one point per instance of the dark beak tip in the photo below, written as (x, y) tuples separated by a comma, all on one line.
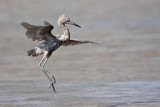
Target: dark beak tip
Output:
[(72, 23), (78, 26)]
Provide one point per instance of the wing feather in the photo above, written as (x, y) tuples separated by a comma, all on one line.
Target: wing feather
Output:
[(38, 33), (76, 42)]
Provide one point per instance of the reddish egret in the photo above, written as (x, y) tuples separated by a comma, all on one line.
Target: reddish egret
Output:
[(50, 42)]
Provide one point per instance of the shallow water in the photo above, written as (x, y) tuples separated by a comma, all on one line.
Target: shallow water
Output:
[(109, 94)]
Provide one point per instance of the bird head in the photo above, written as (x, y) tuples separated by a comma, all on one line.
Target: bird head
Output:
[(64, 19)]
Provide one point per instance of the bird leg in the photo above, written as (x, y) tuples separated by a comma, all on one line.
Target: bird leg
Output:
[(52, 76), (45, 72), (40, 66)]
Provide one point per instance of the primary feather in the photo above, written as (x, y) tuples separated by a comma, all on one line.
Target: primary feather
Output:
[(38, 33), (76, 42)]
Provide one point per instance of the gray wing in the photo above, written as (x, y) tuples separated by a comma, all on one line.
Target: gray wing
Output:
[(38, 33), (76, 42)]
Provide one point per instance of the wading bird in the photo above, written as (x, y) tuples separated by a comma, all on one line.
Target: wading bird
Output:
[(50, 42)]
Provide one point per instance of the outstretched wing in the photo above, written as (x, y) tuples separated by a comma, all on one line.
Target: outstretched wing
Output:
[(76, 42), (38, 33)]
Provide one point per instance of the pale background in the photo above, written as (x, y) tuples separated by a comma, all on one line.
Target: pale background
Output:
[(129, 56)]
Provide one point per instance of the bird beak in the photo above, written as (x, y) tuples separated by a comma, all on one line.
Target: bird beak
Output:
[(72, 23)]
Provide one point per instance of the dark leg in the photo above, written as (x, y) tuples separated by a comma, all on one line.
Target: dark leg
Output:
[(45, 72), (52, 77), (39, 65)]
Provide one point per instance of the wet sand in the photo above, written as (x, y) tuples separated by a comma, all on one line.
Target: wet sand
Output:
[(123, 71)]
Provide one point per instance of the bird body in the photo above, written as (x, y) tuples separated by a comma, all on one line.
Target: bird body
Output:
[(47, 46), (50, 42)]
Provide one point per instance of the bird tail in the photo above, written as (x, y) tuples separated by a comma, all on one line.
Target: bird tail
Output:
[(32, 52)]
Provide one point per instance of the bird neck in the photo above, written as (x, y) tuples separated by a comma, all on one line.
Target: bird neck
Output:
[(66, 33)]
